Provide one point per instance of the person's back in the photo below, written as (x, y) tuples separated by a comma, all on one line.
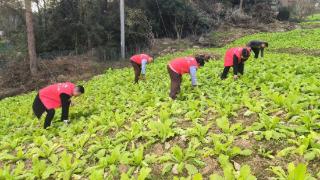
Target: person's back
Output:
[(258, 46), (50, 95), (182, 65), (139, 57), (228, 59), (55, 96), (139, 63), (235, 57)]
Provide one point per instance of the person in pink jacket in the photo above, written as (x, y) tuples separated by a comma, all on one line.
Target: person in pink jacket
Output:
[(55, 96), (139, 63), (235, 57), (184, 65)]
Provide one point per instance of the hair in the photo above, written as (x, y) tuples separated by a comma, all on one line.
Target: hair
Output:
[(245, 53), (81, 89), (202, 59), (266, 44)]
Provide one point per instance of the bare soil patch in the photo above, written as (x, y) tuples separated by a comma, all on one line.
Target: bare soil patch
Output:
[(212, 166), (299, 51)]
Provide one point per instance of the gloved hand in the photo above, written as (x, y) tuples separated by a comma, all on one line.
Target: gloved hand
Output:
[(66, 121), (195, 86)]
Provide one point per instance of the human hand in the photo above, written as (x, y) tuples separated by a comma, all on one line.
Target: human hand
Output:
[(66, 121)]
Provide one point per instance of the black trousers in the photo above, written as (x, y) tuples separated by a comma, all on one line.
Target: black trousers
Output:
[(226, 69), (39, 109), (137, 71), (257, 51), (176, 80)]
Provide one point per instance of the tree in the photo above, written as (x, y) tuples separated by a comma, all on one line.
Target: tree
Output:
[(304, 8), (241, 5), (31, 39)]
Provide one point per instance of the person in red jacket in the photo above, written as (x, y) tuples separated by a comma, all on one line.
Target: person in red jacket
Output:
[(183, 65), (139, 63), (235, 57), (55, 96)]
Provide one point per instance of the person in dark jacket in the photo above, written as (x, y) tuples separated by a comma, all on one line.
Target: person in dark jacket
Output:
[(54, 96), (235, 57), (257, 46)]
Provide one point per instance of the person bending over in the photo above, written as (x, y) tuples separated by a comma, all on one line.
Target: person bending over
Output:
[(257, 46), (139, 63), (55, 96), (235, 57), (184, 65)]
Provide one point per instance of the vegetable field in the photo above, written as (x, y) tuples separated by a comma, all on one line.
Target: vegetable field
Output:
[(314, 17), (264, 125)]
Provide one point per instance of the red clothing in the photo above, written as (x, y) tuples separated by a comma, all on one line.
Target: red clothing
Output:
[(228, 60), (182, 65), (139, 57), (50, 96)]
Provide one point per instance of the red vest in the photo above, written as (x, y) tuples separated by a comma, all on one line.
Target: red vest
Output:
[(139, 57), (228, 60), (50, 95), (182, 65)]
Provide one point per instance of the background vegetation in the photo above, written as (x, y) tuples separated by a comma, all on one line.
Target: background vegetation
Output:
[(73, 26)]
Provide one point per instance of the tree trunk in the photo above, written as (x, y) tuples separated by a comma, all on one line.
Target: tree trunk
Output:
[(241, 5), (31, 39)]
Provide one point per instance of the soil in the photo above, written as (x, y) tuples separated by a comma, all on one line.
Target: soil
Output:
[(310, 25), (299, 51), (157, 170), (245, 120), (157, 149), (211, 166), (123, 168)]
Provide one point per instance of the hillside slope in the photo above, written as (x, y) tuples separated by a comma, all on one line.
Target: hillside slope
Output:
[(256, 125)]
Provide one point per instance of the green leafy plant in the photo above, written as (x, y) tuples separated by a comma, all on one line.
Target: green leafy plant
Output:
[(40, 169), (69, 165), (223, 144), (130, 136), (162, 129), (265, 153), (143, 174), (253, 104), (309, 147), (45, 150), (224, 124), (298, 172), (199, 131), (17, 173), (230, 173), (180, 160), (270, 128)]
